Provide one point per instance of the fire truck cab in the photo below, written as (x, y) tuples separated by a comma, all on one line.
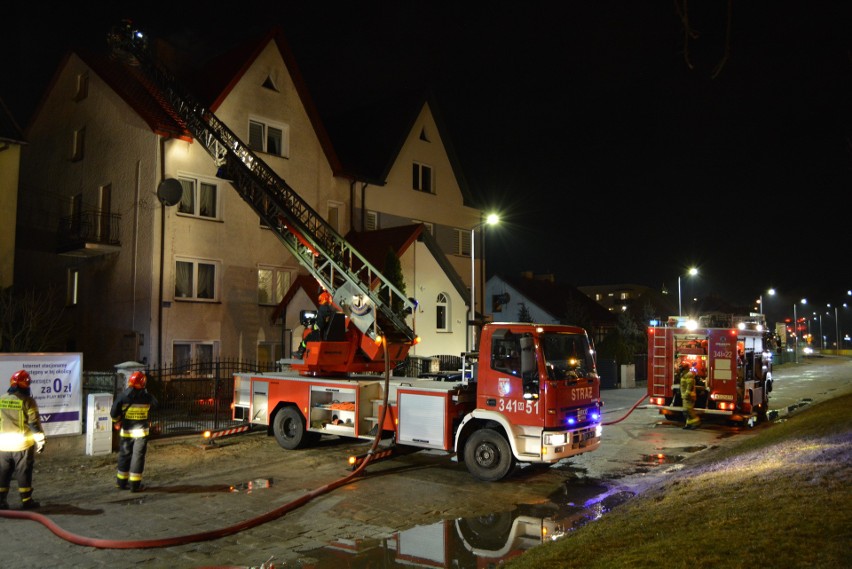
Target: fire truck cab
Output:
[(730, 356)]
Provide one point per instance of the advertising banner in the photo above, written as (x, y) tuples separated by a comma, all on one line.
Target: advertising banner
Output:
[(57, 387)]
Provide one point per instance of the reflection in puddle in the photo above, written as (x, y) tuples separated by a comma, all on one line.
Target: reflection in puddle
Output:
[(482, 541), (256, 484), (661, 458)]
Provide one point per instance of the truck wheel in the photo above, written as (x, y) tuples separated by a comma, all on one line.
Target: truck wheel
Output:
[(488, 456), (289, 428)]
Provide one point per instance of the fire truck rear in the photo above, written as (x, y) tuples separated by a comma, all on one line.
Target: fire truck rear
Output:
[(731, 358)]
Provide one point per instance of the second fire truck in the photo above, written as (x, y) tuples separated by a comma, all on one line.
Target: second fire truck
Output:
[(731, 357)]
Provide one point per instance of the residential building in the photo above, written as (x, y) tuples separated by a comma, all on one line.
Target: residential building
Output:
[(11, 140), (159, 276)]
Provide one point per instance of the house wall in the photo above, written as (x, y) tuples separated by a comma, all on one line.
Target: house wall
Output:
[(510, 310), (10, 158), (424, 281), (122, 152), (238, 242)]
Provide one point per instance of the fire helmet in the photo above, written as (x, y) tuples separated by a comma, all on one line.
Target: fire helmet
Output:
[(325, 298), (137, 380), (20, 379)]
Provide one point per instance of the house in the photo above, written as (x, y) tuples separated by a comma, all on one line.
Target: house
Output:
[(157, 275), (539, 298)]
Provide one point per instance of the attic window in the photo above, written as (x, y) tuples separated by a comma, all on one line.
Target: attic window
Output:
[(270, 84), (423, 135), (81, 90)]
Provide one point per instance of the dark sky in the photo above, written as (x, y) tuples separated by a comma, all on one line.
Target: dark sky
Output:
[(616, 147)]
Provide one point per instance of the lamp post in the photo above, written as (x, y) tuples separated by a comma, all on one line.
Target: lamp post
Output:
[(491, 219), (691, 272)]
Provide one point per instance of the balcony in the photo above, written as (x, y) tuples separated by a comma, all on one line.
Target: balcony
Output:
[(89, 234)]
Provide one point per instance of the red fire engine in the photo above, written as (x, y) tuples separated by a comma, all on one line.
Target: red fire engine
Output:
[(731, 357)]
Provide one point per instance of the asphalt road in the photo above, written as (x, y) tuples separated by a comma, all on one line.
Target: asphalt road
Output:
[(247, 502)]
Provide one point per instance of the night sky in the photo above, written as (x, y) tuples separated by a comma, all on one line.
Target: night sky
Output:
[(616, 146)]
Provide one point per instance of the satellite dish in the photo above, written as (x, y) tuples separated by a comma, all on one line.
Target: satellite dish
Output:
[(169, 191)]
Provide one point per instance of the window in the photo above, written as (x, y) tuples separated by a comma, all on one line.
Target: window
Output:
[(272, 138), (82, 88), (372, 221), (71, 289), (76, 214), (463, 242), (79, 145), (196, 280), (421, 178), (269, 352), (428, 226), (442, 308), (200, 198), (272, 284), (334, 209), (200, 352)]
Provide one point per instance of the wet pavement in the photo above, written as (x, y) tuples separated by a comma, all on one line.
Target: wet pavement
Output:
[(246, 502)]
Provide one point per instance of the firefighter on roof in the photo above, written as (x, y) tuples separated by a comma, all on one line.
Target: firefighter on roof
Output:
[(131, 413), (21, 437)]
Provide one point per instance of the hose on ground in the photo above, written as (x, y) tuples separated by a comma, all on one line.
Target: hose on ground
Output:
[(213, 534), (635, 405)]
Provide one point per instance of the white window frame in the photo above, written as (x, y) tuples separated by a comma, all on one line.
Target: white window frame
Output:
[(265, 126), (430, 227), (334, 217), (197, 265), (194, 189), (463, 242), (442, 303), (272, 284), (423, 178)]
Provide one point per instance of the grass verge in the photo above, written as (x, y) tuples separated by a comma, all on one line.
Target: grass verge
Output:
[(781, 498)]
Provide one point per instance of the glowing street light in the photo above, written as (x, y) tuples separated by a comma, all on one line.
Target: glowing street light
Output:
[(770, 292), (491, 219), (691, 272)]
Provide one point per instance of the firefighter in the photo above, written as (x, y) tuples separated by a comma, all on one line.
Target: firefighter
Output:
[(131, 414), (21, 437), (688, 395)]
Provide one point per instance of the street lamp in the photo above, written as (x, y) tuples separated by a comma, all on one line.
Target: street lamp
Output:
[(491, 219), (691, 272)]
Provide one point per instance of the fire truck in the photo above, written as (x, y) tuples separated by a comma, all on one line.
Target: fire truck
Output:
[(531, 394), (731, 357)]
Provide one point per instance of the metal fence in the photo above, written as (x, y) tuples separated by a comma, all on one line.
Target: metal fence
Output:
[(192, 397)]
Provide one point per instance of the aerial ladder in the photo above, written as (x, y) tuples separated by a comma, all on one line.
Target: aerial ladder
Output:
[(371, 302)]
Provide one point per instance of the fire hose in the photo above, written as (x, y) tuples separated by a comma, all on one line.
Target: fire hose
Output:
[(635, 405), (213, 534)]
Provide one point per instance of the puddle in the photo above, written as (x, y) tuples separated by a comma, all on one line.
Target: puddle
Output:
[(481, 541), (661, 458), (252, 485)]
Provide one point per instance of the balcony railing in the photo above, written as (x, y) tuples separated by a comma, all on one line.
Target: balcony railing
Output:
[(89, 233)]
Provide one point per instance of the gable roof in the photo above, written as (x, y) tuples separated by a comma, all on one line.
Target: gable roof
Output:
[(370, 137), (553, 297), (9, 129)]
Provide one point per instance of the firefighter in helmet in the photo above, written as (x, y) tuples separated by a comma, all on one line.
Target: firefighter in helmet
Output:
[(131, 415), (688, 395), (21, 437)]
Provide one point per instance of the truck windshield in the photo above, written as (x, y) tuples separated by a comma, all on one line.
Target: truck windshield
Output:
[(567, 356)]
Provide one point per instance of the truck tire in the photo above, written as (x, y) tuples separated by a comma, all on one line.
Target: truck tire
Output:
[(290, 430), (488, 456)]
